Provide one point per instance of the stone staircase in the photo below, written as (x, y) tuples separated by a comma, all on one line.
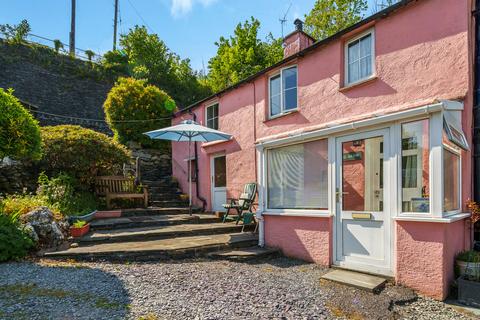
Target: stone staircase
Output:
[(157, 234), (156, 173)]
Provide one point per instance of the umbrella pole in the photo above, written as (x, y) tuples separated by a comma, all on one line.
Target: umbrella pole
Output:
[(189, 179)]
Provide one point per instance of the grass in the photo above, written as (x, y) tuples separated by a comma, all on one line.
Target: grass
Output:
[(21, 292)]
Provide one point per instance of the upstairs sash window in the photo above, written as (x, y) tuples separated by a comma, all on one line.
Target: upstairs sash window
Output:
[(283, 91), (212, 116), (359, 58)]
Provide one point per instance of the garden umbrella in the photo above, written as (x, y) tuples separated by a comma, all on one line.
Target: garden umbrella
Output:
[(188, 130)]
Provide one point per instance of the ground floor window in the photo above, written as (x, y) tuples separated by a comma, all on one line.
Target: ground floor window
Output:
[(415, 166), (297, 176), (451, 181)]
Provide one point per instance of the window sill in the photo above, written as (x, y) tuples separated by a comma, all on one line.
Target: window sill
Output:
[(281, 115), (447, 219), (358, 83), (299, 213)]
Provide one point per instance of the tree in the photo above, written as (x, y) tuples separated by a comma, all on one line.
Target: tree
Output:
[(145, 56), (330, 16), (242, 55), (90, 54), (58, 45), (16, 34), (379, 5), (19, 131), (134, 107)]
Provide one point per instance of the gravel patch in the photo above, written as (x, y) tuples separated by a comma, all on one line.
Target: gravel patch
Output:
[(277, 288)]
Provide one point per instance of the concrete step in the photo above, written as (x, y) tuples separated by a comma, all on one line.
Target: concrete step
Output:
[(175, 248), (158, 211), (162, 232), (168, 203), (165, 197), (244, 253), (356, 279), (150, 221)]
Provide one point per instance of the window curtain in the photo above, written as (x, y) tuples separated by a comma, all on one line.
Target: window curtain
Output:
[(298, 176), (409, 171)]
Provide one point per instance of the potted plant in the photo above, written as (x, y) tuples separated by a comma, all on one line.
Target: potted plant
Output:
[(469, 281), (465, 258), (79, 228)]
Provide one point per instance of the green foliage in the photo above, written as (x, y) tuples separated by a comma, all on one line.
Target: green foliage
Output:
[(242, 55), (19, 131), (130, 106), (145, 56), (58, 45), (79, 224), (89, 54), (330, 16), (16, 34), (81, 153), (14, 242), (18, 205), (469, 256)]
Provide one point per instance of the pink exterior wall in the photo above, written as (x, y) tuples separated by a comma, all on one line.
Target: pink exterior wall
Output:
[(418, 60), (425, 254), (309, 239)]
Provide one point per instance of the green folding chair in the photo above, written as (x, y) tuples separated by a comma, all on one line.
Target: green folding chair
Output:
[(243, 205)]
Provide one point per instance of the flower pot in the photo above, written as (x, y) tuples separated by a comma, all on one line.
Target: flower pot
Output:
[(469, 269), (79, 232), (469, 292)]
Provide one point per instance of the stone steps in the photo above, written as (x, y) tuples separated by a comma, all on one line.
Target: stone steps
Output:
[(150, 221), (169, 203), (172, 248), (158, 211), (155, 233)]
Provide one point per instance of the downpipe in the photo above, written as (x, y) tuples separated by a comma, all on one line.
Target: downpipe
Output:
[(197, 186)]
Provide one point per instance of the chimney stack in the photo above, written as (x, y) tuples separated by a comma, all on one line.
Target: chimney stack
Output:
[(297, 40)]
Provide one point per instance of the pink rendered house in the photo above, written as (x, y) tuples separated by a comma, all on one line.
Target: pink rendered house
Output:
[(359, 143)]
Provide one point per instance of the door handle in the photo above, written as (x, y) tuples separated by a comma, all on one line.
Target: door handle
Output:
[(339, 194)]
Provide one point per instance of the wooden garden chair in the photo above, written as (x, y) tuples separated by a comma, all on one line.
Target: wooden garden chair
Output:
[(243, 205)]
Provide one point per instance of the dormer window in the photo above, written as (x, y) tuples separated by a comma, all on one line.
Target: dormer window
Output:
[(360, 58), (283, 91)]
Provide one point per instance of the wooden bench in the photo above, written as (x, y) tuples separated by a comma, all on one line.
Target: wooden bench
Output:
[(115, 187)]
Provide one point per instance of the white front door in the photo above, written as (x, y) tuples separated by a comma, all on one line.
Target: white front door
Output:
[(219, 182), (363, 223)]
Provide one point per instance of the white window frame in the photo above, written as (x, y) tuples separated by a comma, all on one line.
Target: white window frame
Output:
[(282, 109), (458, 153), (295, 212), (345, 60), (218, 114)]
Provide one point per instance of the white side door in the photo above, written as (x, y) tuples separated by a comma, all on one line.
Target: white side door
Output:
[(363, 224), (218, 178)]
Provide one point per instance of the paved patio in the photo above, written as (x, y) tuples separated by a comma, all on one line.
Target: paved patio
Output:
[(273, 288)]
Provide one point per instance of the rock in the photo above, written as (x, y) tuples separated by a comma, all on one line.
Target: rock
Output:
[(28, 228), (43, 227)]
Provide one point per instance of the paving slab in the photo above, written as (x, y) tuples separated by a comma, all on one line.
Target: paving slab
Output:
[(355, 279), (164, 248), (151, 220), (243, 253), (158, 232)]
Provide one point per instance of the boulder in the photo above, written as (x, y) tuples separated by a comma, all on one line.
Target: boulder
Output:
[(43, 227)]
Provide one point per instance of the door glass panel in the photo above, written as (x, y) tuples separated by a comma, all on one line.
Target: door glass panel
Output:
[(220, 178), (362, 176)]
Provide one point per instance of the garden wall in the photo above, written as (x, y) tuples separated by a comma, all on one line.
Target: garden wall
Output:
[(57, 84)]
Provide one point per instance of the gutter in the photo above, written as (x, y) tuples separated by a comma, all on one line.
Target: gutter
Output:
[(476, 105)]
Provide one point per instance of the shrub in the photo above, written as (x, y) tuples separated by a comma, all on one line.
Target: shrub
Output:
[(17, 205), (81, 153), (60, 194), (19, 131), (14, 242), (16, 34), (134, 107)]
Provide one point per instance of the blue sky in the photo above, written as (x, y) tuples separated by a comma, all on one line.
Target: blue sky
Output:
[(188, 27)]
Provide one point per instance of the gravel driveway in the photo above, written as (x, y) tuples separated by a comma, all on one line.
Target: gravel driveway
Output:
[(278, 288)]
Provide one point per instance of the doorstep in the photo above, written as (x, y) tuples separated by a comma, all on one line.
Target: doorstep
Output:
[(356, 279)]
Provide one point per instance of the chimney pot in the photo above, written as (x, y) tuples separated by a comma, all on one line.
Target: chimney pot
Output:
[(298, 24)]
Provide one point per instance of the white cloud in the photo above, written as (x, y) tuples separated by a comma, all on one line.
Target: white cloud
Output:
[(182, 7)]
